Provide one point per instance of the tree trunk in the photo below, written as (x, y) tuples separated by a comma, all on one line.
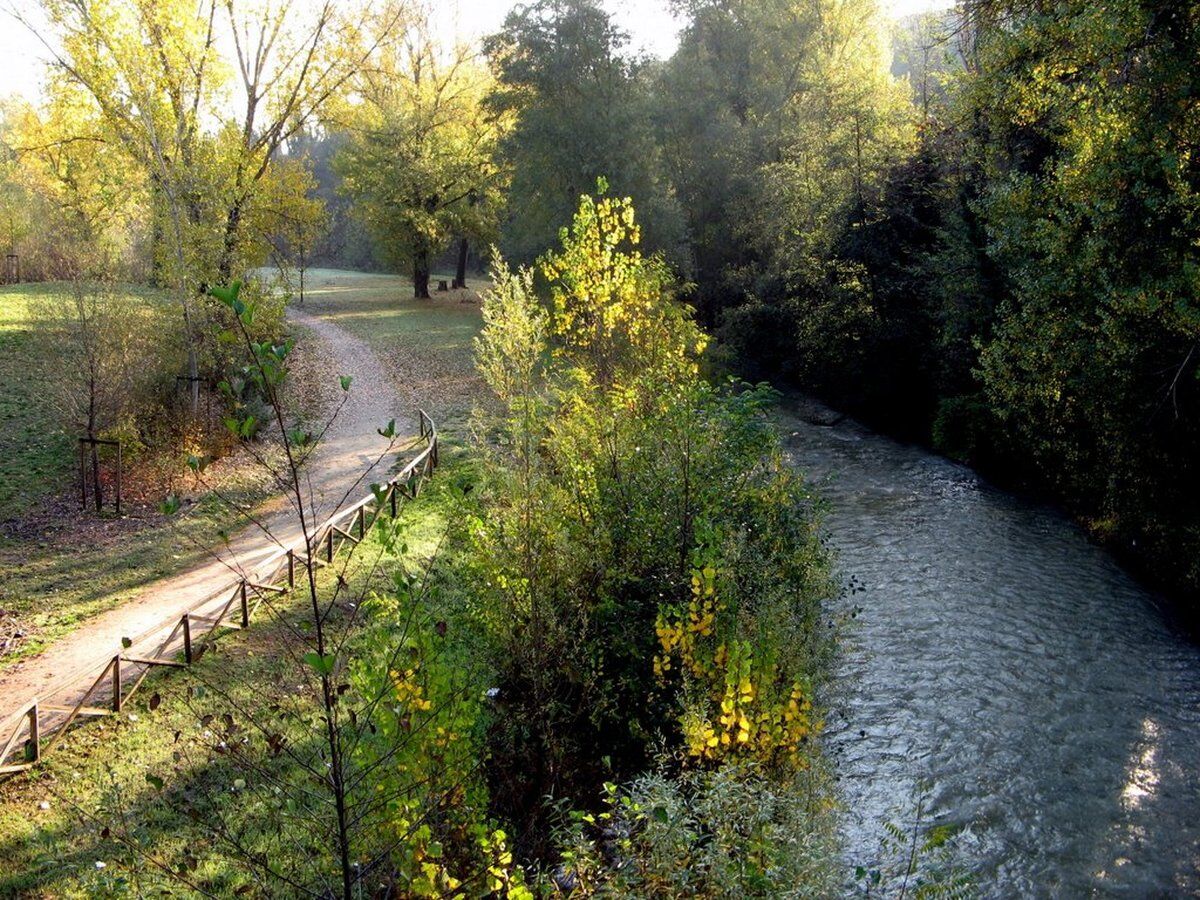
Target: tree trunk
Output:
[(460, 276), (301, 277), (233, 221), (193, 364), (421, 275)]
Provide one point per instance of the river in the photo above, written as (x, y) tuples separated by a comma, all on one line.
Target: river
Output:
[(1011, 674)]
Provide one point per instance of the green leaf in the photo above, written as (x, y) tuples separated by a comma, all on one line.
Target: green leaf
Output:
[(126, 642), (226, 295), (169, 506), (323, 665), (345, 380), (389, 431), (298, 437), (155, 781)]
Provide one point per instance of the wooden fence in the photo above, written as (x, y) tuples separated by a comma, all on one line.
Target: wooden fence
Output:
[(105, 685)]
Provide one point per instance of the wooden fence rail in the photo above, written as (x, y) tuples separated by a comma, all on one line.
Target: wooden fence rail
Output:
[(39, 726)]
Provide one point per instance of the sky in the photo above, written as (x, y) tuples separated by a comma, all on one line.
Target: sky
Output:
[(649, 23)]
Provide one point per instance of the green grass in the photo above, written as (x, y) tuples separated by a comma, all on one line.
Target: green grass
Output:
[(97, 779), (37, 449), (39, 445), (59, 566)]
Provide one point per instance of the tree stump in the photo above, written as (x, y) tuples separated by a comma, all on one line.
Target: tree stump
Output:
[(443, 287)]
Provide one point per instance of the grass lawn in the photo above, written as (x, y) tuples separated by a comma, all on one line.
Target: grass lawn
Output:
[(426, 344)]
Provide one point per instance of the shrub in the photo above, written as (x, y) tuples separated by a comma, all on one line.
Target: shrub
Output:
[(640, 548)]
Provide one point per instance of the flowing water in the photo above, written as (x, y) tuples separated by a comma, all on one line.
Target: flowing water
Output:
[(1010, 674)]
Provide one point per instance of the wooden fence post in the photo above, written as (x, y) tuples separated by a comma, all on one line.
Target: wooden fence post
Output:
[(116, 683), (33, 750), (33, 746)]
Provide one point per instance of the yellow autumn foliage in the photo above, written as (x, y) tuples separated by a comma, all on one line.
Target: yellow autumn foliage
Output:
[(749, 710)]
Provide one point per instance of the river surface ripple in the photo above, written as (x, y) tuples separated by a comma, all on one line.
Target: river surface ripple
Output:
[(1011, 668)]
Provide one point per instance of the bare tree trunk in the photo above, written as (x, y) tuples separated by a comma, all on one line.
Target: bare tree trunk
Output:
[(421, 275), (460, 276)]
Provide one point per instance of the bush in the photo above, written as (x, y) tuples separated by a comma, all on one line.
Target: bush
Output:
[(640, 548), (732, 831)]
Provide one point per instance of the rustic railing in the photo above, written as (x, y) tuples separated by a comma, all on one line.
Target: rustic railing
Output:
[(103, 686)]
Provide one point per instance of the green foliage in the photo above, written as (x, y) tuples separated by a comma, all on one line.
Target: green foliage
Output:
[(915, 860), (778, 121), (615, 474), (728, 832), (249, 393), (1014, 278), (582, 110), (1092, 211)]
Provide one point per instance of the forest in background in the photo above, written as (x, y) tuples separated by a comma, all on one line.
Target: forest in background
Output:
[(976, 229)]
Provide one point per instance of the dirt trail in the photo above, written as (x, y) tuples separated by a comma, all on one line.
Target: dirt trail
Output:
[(339, 472)]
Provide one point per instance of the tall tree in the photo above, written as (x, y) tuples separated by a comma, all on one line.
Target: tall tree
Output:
[(778, 119), (583, 112), (72, 193), (420, 164), (154, 71)]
